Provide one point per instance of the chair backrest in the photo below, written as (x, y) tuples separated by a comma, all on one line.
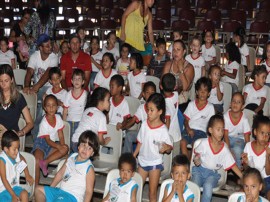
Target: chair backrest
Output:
[(133, 104), (266, 108), (31, 100), (228, 96), (155, 80), (234, 197), (250, 116), (22, 124), (66, 132), (218, 53), (113, 174), (252, 57), (167, 162), (241, 76), (19, 75)]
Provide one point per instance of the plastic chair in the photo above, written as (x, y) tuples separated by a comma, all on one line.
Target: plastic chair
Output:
[(163, 4), (250, 116), (245, 5), (181, 5), (62, 29), (164, 15), (85, 5), (191, 185), (133, 105), (182, 25), (252, 57), (266, 108), (106, 162), (116, 15), (258, 27), (155, 80), (31, 101), (241, 76), (205, 25), (228, 96), (19, 75), (68, 5), (265, 5), (87, 25), (72, 15), (189, 16), (113, 174), (218, 53), (224, 5), (234, 197), (105, 6), (158, 24), (123, 3), (215, 16), (202, 7), (263, 15), (108, 25), (239, 16), (21, 125), (94, 15), (230, 26)]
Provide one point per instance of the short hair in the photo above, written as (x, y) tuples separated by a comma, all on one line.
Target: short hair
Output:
[(180, 160), (95, 38), (62, 43), (203, 81), (118, 79), (5, 39), (129, 159), (110, 33), (78, 72), (212, 67), (160, 41), (54, 70), (91, 138), (149, 84), (181, 42), (50, 96), (259, 69), (125, 45), (74, 36), (168, 82), (8, 137), (198, 38), (138, 59), (240, 94)]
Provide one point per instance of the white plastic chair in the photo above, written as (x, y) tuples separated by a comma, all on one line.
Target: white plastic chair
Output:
[(218, 53), (252, 57), (31, 165), (234, 197), (241, 76), (191, 185), (19, 75), (106, 162), (250, 116), (266, 108), (113, 174), (192, 92), (155, 80), (22, 124), (31, 101), (227, 88), (133, 105)]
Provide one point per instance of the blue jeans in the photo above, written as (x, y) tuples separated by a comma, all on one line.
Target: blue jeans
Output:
[(73, 126), (237, 146), (206, 178), (234, 88), (131, 137), (218, 108), (197, 135), (92, 79), (181, 119)]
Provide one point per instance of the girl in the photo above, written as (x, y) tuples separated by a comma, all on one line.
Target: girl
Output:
[(230, 73), (104, 76), (212, 154), (266, 61), (93, 117), (136, 78), (45, 149), (177, 35), (80, 31), (255, 93), (196, 59), (153, 141), (257, 153), (110, 46), (6, 56), (208, 50), (237, 129), (64, 48), (122, 65)]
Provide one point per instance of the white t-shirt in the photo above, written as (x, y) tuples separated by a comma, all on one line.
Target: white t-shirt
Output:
[(254, 95), (198, 118), (135, 83), (114, 51), (60, 95), (5, 58), (141, 113), (198, 63), (187, 194), (119, 112), (122, 67), (102, 81), (239, 129), (213, 95), (229, 67), (122, 192), (172, 113), (46, 129), (214, 161), (243, 198), (40, 66), (150, 138), (268, 70), (208, 54), (98, 58), (244, 53), (75, 105), (92, 119)]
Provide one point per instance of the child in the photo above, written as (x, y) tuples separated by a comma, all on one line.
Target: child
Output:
[(136, 78), (196, 59), (212, 154), (216, 94), (266, 61), (45, 149), (197, 115), (80, 31), (110, 46), (237, 129), (257, 153), (177, 35), (6, 56), (158, 61), (119, 110), (122, 65), (10, 158), (56, 89), (104, 76), (153, 141), (230, 73), (75, 101), (179, 190), (64, 48), (140, 115), (76, 176), (208, 50), (93, 117), (127, 187), (168, 83), (255, 93)]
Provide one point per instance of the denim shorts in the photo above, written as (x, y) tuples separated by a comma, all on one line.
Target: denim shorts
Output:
[(266, 185), (41, 144), (155, 167), (197, 135), (5, 195), (56, 194)]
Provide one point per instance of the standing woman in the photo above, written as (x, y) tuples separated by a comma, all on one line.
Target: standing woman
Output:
[(135, 18)]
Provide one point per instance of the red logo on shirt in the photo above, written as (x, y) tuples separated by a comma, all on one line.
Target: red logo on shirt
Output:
[(90, 114)]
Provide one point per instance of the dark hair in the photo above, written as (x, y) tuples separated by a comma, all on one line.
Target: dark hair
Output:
[(160, 41), (212, 67), (129, 159), (94, 38), (78, 72), (233, 52), (213, 120), (54, 70), (91, 138), (8, 137), (203, 81), (149, 84), (180, 160), (79, 28), (74, 36), (205, 32), (178, 31), (264, 55), (181, 42), (138, 59), (258, 69), (110, 56), (63, 42), (98, 95), (158, 100), (118, 79), (109, 34), (253, 172), (44, 12), (260, 120), (5, 39), (240, 31), (198, 38), (26, 11), (168, 82), (125, 45), (50, 96), (240, 94)]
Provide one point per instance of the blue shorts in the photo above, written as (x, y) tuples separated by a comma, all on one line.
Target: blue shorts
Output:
[(197, 135), (155, 167), (266, 185), (5, 195), (54, 194), (41, 144)]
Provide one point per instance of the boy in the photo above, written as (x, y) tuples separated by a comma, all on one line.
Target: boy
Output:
[(178, 190), (56, 89), (124, 188), (197, 115), (158, 61), (119, 110), (75, 101), (76, 176), (122, 65), (11, 165), (149, 88), (168, 84)]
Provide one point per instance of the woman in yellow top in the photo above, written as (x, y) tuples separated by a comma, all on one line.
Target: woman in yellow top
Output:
[(135, 18)]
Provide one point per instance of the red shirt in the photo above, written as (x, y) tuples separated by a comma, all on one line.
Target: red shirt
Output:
[(83, 62)]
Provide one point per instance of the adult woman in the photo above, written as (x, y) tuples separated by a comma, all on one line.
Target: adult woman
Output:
[(12, 104)]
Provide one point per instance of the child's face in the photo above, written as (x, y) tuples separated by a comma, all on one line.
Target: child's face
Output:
[(5, 82), (115, 89), (64, 48), (152, 112), (106, 62), (148, 92), (260, 79), (176, 36), (132, 64), (208, 37), (252, 187), (126, 172), (56, 80), (195, 46), (178, 51), (217, 130), (236, 39), (180, 174), (237, 103), (124, 53), (268, 51), (50, 107), (3, 46), (81, 34), (112, 39), (215, 75), (262, 134), (85, 151), (77, 81), (106, 103), (203, 93), (13, 150), (161, 49), (94, 44)]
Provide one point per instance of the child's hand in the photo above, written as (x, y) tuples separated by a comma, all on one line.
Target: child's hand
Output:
[(190, 132), (165, 147), (180, 188), (107, 140), (60, 103), (244, 157), (249, 197), (267, 150), (118, 126), (29, 179), (197, 159), (174, 184), (15, 198)]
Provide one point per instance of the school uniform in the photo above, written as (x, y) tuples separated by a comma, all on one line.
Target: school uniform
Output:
[(135, 83), (208, 54), (118, 112), (104, 81), (187, 194), (198, 63)]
